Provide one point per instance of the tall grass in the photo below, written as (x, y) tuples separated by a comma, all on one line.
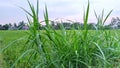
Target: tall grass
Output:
[(101, 20), (68, 49)]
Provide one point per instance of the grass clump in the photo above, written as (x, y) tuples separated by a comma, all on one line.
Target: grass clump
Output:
[(68, 48)]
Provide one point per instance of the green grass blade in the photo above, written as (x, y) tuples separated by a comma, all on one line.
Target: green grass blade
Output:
[(37, 10), (46, 17), (101, 51), (95, 14), (27, 12), (10, 44), (86, 16), (23, 55), (102, 15), (107, 16)]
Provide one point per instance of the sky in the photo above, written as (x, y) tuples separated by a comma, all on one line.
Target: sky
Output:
[(57, 9)]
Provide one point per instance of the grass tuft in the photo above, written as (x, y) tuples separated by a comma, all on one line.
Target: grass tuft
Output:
[(63, 48)]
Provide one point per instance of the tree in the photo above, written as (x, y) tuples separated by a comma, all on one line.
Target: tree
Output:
[(115, 23), (6, 26), (15, 25), (66, 25), (1, 27), (10, 25), (107, 27), (92, 26), (20, 25), (76, 25)]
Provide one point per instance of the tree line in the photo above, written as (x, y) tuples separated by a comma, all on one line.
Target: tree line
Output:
[(20, 26), (114, 24)]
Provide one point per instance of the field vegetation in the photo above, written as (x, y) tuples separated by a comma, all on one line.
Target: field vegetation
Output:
[(62, 48)]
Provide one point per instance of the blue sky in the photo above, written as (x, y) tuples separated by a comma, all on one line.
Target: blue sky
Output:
[(62, 9)]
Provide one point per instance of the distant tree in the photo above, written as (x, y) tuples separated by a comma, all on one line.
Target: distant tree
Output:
[(1, 27), (10, 25), (66, 25), (107, 27), (57, 26), (76, 25), (91, 26), (115, 23), (81, 26), (52, 23), (15, 25), (118, 22), (20, 25), (42, 27), (6, 26)]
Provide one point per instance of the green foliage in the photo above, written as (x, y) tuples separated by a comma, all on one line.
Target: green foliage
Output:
[(63, 48), (6, 26), (101, 20)]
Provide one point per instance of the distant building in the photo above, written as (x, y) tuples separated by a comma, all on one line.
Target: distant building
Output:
[(25, 27)]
